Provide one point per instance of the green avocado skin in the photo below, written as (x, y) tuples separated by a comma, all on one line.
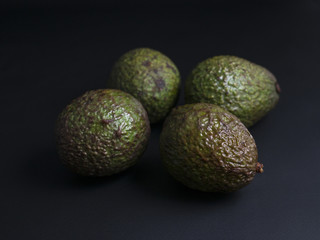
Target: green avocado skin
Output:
[(245, 89), (149, 76), (207, 148), (101, 133)]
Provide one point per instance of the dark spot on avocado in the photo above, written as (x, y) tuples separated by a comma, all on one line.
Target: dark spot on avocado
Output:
[(107, 121), (118, 133), (146, 63), (160, 83), (90, 120), (170, 67), (140, 93)]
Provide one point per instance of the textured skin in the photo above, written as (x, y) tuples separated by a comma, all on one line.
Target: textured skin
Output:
[(102, 132), (245, 89), (149, 76), (207, 148)]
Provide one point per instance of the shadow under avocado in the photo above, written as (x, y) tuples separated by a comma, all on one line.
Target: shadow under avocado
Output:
[(148, 177), (151, 177), (45, 169)]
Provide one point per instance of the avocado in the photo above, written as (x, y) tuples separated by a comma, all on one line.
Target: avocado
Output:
[(207, 148), (149, 76), (102, 132), (245, 89)]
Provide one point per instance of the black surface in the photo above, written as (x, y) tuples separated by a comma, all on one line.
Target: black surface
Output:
[(49, 56)]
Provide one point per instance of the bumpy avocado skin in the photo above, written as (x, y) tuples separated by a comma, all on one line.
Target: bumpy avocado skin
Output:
[(149, 76), (245, 89), (102, 132), (207, 148)]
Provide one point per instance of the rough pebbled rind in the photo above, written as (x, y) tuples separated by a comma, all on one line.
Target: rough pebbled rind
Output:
[(207, 148), (102, 132), (149, 76), (245, 89)]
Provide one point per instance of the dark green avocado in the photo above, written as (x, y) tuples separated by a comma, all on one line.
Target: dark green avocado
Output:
[(209, 149), (149, 76), (245, 89), (103, 132)]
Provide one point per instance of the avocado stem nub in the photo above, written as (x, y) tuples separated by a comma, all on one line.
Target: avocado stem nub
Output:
[(259, 168)]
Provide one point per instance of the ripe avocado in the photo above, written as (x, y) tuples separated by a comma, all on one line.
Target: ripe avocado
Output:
[(245, 89), (102, 132), (209, 149), (149, 76)]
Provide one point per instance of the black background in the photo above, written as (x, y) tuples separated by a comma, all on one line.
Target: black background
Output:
[(54, 51)]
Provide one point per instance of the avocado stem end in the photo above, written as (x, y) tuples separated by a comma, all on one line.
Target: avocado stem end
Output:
[(259, 168)]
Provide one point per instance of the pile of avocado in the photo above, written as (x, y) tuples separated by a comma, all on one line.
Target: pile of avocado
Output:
[(204, 144)]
